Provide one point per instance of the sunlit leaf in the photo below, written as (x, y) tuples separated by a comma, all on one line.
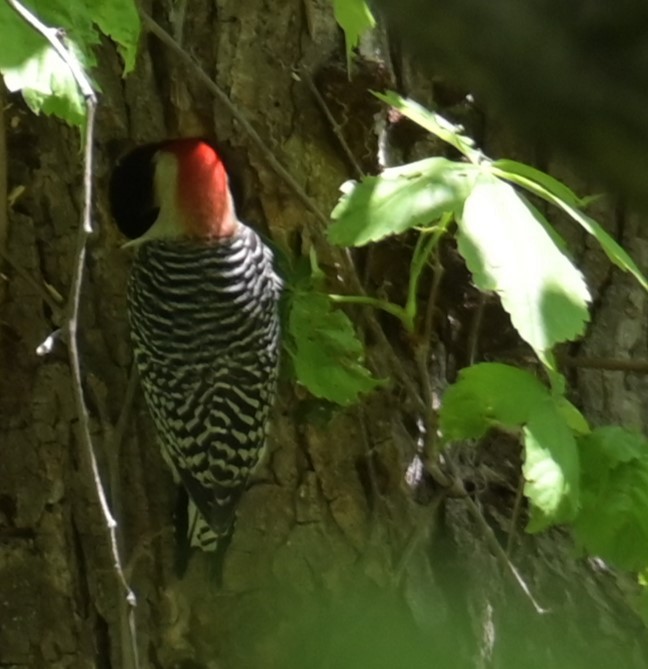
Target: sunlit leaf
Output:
[(551, 467), (29, 64), (509, 251), (434, 123), (556, 193), (549, 183), (400, 198)]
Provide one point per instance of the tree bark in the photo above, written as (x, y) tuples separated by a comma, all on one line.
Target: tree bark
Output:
[(333, 562)]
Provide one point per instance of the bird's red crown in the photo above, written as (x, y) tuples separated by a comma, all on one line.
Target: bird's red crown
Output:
[(203, 194)]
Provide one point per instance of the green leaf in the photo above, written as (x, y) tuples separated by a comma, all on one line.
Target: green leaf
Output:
[(487, 395), (607, 447), (508, 250), (614, 251), (434, 123), (327, 355), (554, 192), (355, 18), (30, 65), (573, 417), (546, 181), (613, 520), (119, 20), (400, 198), (495, 395), (551, 467)]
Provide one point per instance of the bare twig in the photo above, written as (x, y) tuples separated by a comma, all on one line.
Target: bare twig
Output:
[(342, 258), (606, 364), (74, 301), (500, 554), (359, 173), (495, 545)]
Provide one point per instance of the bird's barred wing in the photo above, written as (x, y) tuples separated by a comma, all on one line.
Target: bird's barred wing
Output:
[(212, 424)]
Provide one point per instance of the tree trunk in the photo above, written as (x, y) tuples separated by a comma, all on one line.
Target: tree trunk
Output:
[(333, 562)]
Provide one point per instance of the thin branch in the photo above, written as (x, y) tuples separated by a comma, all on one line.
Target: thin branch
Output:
[(494, 544), (500, 554), (73, 305), (342, 258), (74, 302), (337, 131), (606, 364)]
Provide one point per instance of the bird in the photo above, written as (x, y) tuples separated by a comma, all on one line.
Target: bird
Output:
[(203, 307)]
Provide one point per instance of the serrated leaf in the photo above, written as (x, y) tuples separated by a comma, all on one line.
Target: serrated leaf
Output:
[(327, 355), (400, 198), (556, 196), (47, 85), (434, 123), (619, 446), (486, 395), (613, 520), (355, 18), (508, 250), (30, 65), (495, 395), (119, 19), (551, 467)]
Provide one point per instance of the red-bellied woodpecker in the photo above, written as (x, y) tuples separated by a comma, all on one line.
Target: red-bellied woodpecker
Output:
[(203, 308)]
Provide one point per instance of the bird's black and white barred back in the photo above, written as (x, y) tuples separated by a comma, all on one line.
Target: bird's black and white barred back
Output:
[(203, 308), (205, 330)]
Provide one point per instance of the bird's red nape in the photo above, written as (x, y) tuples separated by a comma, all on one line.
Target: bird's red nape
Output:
[(203, 191)]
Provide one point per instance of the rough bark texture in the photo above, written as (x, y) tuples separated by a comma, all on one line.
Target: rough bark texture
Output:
[(332, 562)]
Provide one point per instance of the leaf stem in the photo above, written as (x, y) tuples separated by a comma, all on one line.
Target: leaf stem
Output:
[(389, 307), (425, 245)]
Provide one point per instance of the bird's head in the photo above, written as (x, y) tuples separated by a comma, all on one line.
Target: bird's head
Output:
[(177, 189)]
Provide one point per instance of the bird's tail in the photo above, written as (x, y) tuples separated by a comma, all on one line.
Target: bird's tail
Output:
[(199, 533)]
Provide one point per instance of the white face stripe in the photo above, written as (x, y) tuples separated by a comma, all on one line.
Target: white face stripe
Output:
[(165, 189)]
